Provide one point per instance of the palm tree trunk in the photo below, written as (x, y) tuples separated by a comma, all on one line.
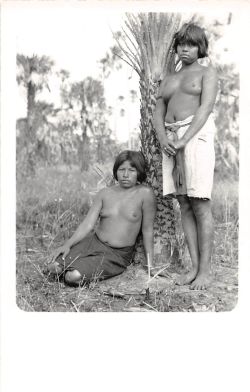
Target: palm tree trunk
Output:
[(84, 143), (100, 150), (83, 152), (164, 227), (30, 132)]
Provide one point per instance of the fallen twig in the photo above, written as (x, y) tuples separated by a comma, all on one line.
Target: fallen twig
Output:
[(75, 307), (115, 294), (145, 303)]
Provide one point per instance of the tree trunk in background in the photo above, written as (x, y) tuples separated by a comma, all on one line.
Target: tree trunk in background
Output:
[(84, 144), (32, 74), (30, 135), (100, 158), (83, 151)]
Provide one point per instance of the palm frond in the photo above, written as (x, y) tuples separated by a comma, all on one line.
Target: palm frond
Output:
[(131, 57), (148, 42)]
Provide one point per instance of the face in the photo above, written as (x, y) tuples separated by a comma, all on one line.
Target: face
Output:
[(127, 175), (187, 53)]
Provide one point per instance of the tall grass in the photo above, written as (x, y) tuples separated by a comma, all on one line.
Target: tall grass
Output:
[(226, 215), (225, 199)]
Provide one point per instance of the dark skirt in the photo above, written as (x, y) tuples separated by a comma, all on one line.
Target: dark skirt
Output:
[(95, 259)]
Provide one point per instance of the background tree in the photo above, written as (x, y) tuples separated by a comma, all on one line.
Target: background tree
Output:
[(111, 60), (147, 44), (65, 85), (76, 132), (227, 123), (33, 75), (89, 95)]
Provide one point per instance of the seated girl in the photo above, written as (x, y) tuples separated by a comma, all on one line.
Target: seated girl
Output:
[(103, 245)]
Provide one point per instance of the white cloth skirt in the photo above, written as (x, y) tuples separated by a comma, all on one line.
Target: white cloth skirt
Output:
[(199, 159)]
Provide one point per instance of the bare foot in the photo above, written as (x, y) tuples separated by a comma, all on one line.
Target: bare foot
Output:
[(186, 278), (201, 282)]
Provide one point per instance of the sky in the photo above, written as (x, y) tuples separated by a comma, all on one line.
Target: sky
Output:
[(74, 38)]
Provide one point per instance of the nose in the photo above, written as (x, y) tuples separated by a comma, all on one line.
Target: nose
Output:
[(184, 47), (125, 174)]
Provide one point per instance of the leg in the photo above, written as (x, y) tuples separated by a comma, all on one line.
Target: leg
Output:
[(190, 230), (204, 219), (73, 278)]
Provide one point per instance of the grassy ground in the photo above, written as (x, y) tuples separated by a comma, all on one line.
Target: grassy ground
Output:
[(50, 207)]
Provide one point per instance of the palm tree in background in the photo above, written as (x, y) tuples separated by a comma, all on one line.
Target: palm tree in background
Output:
[(32, 74), (147, 44), (88, 93)]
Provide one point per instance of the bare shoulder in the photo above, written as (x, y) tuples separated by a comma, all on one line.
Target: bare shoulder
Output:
[(102, 193), (210, 72), (147, 193), (109, 191)]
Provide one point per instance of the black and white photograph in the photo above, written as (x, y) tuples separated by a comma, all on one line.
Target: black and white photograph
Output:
[(127, 162), (124, 195)]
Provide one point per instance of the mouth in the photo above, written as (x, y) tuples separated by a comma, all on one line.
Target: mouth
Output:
[(125, 182)]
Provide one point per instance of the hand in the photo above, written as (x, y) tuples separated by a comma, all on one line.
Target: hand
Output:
[(168, 149), (64, 250), (177, 145)]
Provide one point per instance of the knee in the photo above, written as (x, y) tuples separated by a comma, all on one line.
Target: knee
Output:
[(185, 205), (73, 278), (202, 209)]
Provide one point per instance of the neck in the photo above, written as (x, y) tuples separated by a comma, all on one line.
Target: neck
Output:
[(189, 65), (121, 188)]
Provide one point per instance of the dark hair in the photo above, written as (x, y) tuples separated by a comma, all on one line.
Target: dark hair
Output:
[(136, 160), (194, 35)]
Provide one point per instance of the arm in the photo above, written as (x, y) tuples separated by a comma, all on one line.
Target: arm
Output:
[(159, 118), (208, 96), (83, 229), (89, 221), (148, 216)]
